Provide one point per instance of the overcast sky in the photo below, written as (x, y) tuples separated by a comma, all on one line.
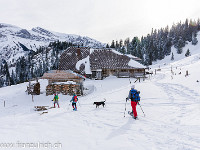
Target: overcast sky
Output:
[(103, 20)]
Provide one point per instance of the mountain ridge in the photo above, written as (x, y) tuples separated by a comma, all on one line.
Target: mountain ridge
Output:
[(11, 36)]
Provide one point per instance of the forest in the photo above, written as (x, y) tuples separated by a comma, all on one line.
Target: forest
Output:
[(157, 45)]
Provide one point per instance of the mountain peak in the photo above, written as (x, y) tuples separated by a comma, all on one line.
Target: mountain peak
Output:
[(4, 25)]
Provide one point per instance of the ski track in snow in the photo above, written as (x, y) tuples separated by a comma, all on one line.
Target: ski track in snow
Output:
[(179, 98), (173, 90)]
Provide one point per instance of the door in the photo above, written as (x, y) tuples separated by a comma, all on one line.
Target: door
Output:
[(98, 75)]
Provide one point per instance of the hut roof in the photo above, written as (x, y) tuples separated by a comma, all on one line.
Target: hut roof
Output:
[(61, 74), (133, 57), (111, 59)]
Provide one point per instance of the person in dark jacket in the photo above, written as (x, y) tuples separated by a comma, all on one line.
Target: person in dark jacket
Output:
[(135, 98)]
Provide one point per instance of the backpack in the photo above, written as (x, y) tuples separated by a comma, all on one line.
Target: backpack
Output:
[(56, 97), (75, 99), (135, 95)]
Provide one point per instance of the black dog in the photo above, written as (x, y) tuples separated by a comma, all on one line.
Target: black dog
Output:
[(99, 103)]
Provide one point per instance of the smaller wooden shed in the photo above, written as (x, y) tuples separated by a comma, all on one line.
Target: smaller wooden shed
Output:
[(66, 82)]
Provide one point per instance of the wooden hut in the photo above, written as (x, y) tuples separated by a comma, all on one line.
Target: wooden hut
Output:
[(100, 63), (34, 87), (63, 81)]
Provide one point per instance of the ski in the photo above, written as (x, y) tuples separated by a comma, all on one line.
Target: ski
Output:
[(131, 114)]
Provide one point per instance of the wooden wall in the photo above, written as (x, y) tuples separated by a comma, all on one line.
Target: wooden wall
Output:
[(65, 89)]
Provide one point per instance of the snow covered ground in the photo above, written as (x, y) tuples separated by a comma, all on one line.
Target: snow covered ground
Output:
[(170, 100)]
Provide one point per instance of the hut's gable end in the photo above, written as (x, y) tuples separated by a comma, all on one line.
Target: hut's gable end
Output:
[(84, 65), (71, 56)]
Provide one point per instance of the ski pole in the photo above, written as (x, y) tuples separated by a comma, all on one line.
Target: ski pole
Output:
[(79, 104), (141, 109), (125, 107), (129, 80), (68, 106)]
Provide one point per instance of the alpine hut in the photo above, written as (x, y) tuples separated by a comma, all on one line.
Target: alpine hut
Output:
[(100, 63)]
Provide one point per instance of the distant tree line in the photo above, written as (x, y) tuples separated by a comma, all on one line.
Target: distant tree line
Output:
[(157, 45), (35, 64)]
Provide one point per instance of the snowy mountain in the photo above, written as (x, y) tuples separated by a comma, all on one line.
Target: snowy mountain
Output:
[(170, 100), (15, 41)]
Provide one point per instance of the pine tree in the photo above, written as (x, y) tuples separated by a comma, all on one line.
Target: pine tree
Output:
[(13, 78), (123, 50), (187, 53), (126, 42), (139, 52), (179, 50), (4, 74), (112, 44), (120, 43), (172, 58), (180, 45), (117, 46), (194, 39)]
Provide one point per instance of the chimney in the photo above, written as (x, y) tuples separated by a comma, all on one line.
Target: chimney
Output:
[(78, 53)]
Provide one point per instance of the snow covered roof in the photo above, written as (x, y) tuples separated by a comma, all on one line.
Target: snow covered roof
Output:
[(86, 62), (61, 74), (111, 59), (68, 82), (135, 64), (133, 57)]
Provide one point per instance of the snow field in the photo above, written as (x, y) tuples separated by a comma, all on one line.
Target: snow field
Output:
[(170, 102)]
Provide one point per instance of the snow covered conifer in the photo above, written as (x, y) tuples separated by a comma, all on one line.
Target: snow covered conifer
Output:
[(172, 58), (194, 39), (187, 53)]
